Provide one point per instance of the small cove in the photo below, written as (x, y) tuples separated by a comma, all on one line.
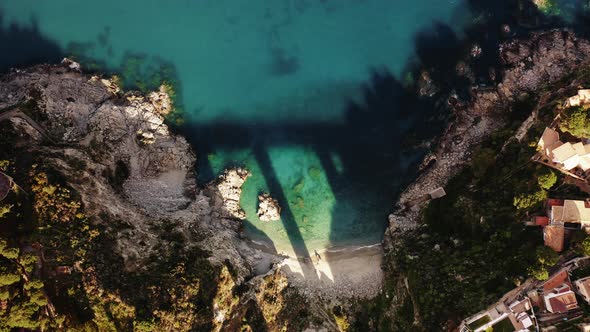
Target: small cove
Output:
[(308, 95)]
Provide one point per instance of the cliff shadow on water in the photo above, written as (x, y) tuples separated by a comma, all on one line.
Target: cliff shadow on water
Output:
[(25, 45), (369, 156), (380, 141)]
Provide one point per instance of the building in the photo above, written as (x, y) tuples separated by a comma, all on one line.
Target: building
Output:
[(570, 212), (560, 300), (558, 296), (583, 288), (567, 156), (562, 215), (554, 237), (581, 98)]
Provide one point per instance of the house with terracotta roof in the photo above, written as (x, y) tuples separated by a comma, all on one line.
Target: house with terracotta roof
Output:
[(561, 300), (561, 216), (583, 288), (556, 280), (554, 237), (558, 296)]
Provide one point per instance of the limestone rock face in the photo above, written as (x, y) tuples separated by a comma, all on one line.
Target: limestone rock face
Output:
[(228, 189), (136, 172), (268, 208)]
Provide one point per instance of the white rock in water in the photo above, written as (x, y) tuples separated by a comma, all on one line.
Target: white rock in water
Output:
[(71, 64), (268, 208)]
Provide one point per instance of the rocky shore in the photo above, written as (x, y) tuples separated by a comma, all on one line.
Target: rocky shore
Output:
[(529, 65), (135, 180)]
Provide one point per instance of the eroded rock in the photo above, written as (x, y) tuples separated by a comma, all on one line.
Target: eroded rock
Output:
[(268, 208), (228, 188)]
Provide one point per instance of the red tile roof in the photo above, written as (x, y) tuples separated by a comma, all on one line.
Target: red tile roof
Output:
[(556, 280), (541, 221), (563, 302), (554, 202), (554, 237)]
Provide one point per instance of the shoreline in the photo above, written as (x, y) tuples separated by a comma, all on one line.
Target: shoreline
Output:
[(335, 272)]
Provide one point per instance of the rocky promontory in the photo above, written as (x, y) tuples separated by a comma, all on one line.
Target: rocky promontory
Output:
[(529, 66), (110, 181)]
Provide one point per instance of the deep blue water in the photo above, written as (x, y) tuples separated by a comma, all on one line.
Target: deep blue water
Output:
[(311, 96)]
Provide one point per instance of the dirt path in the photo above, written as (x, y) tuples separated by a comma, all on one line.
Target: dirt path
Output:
[(17, 113)]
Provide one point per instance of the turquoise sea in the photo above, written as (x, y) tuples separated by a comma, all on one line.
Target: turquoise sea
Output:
[(307, 94)]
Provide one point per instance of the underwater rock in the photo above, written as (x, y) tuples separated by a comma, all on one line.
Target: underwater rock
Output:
[(426, 85), (268, 208)]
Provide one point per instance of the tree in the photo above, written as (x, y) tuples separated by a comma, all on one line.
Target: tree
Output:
[(546, 258), (5, 251), (526, 201), (584, 247), (548, 180), (576, 122), (548, 7), (482, 160)]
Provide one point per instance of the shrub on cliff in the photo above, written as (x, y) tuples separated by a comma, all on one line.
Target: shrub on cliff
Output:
[(530, 200), (548, 7), (576, 122), (547, 180)]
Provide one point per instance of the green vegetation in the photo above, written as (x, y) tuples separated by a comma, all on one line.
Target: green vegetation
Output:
[(484, 248), (341, 319), (473, 246), (576, 122), (5, 209), (548, 7), (546, 258), (584, 247), (547, 180), (502, 326)]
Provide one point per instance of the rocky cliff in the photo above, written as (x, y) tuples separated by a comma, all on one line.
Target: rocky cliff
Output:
[(162, 253), (528, 67)]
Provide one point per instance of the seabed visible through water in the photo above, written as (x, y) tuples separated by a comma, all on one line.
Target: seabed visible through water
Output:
[(305, 94)]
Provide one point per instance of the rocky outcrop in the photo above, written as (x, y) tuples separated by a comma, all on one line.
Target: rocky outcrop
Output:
[(529, 64), (226, 191), (268, 208), (136, 183), (116, 152)]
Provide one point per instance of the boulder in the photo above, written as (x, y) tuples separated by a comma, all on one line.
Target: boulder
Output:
[(268, 208)]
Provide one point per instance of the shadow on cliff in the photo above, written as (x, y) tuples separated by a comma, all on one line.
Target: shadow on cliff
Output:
[(25, 45)]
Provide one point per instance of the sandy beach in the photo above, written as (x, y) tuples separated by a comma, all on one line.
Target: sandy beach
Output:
[(338, 272)]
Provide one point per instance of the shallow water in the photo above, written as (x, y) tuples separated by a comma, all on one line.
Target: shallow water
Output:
[(303, 93)]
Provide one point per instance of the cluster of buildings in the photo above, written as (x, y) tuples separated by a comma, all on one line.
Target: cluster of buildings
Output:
[(538, 306), (572, 157), (562, 218), (548, 305)]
